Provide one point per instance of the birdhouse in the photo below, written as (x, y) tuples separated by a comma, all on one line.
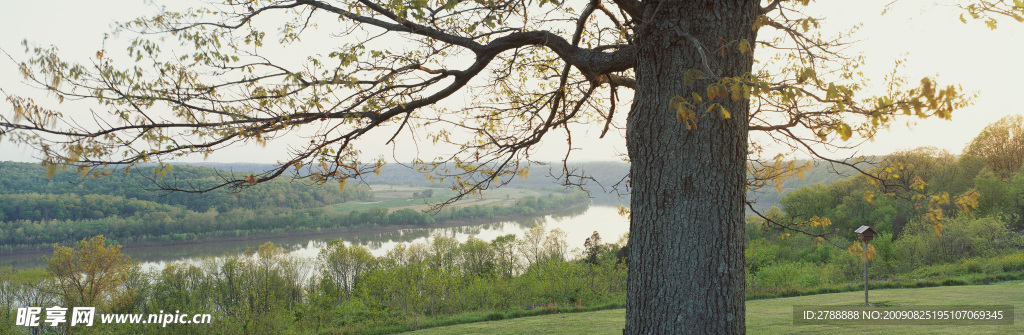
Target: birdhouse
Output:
[(865, 233)]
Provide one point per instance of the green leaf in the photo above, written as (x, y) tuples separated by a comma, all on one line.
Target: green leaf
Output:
[(744, 46), (805, 74), (690, 76), (844, 130)]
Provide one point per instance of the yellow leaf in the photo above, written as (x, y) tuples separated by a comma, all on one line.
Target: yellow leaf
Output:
[(857, 250), (869, 196), (341, 184), (82, 171), (51, 170), (683, 113), (710, 108), (623, 211)]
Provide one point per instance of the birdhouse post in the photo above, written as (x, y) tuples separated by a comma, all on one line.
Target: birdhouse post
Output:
[(865, 234)]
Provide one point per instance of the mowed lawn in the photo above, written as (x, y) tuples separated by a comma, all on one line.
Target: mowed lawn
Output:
[(775, 316)]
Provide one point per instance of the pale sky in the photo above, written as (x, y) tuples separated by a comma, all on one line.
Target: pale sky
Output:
[(931, 36)]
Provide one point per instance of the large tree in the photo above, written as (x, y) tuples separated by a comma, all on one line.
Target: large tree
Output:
[(1001, 145), (200, 80)]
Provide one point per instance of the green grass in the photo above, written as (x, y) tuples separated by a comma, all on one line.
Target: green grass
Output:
[(600, 322), (361, 205), (775, 316)]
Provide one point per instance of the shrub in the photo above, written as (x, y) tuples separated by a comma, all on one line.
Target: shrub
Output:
[(789, 275), (962, 237), (1011, 262), (971, 265), (760, 253)]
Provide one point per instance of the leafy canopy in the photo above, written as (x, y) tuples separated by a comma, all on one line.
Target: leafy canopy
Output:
[(198, 80)]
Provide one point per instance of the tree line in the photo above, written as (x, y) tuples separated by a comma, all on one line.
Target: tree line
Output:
[(943, 218), (25, 178), (925, 184), (444, 281), (344, 289), (971, 250), (136, 221)]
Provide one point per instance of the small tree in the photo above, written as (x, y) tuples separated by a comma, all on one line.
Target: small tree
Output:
[(507, 260), (91, 274), (592, 248), (342, 264)]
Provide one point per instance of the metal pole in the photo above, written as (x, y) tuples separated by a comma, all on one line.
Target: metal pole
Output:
[(866, 274)]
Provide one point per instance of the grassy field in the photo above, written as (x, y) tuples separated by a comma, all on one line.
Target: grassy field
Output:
[(399, 197), (775, 316)]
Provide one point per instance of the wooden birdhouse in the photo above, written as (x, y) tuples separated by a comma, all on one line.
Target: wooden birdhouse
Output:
[(865, 233)]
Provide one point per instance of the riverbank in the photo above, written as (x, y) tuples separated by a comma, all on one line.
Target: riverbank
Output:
[(307, 233)]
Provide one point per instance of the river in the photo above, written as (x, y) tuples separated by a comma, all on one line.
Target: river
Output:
[(578, 224)]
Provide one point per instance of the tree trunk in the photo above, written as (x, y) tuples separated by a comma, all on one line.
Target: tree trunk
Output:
[(688, 186)]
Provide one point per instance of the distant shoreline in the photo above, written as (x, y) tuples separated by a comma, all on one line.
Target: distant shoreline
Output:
[(309, 233)]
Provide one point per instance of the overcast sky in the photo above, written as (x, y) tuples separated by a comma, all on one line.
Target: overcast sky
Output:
[(931, 36)]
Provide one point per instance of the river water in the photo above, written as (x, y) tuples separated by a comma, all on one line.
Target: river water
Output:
[(578, 224)]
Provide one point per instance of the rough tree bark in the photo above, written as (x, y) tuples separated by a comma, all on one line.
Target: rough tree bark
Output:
[(688, 186)]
